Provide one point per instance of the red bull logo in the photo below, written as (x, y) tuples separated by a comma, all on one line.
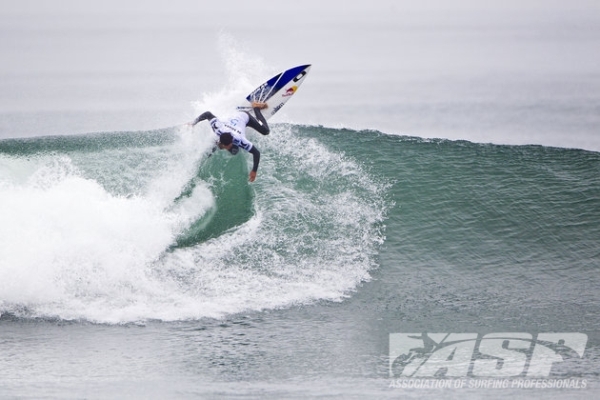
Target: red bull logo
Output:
[(290, 91)]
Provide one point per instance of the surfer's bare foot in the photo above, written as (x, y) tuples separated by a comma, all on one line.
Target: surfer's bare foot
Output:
[(259, 105)]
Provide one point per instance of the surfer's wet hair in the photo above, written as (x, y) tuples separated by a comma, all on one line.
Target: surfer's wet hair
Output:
[(226, 139)]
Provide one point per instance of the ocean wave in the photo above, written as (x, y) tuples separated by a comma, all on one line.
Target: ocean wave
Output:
[(126, 227)]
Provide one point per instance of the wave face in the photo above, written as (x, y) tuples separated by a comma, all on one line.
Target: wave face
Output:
[(133, 226)]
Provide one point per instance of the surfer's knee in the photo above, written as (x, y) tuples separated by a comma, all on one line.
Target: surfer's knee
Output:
[(262, 128)]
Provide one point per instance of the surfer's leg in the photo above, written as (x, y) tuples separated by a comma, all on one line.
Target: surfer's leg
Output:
[(260, 124)]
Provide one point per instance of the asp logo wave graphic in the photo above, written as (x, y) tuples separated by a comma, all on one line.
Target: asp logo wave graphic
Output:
[(493, 355)]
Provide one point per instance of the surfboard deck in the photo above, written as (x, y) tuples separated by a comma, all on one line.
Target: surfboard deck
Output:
[(277, 91)]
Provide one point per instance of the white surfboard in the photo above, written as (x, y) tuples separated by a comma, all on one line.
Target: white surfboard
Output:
[(277, 90)]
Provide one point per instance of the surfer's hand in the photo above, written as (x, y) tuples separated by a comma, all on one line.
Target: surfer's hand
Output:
[(259, 105), (252, 176)]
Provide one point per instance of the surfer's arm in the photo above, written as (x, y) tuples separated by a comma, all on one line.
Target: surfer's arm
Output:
[(215, 148), (205, 115), (256, 158)]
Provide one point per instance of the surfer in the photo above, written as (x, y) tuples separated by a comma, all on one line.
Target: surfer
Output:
[(232, 132)]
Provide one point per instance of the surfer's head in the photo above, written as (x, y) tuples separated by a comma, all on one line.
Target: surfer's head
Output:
[(225, 140)]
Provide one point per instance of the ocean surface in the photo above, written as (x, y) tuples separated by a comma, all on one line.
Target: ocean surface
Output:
[(438, 172)]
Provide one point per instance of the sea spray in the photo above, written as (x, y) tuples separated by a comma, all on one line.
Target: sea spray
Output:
[(94, 233)]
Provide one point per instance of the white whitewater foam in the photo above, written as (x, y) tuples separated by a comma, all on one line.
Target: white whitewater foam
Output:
[(72, 249)]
